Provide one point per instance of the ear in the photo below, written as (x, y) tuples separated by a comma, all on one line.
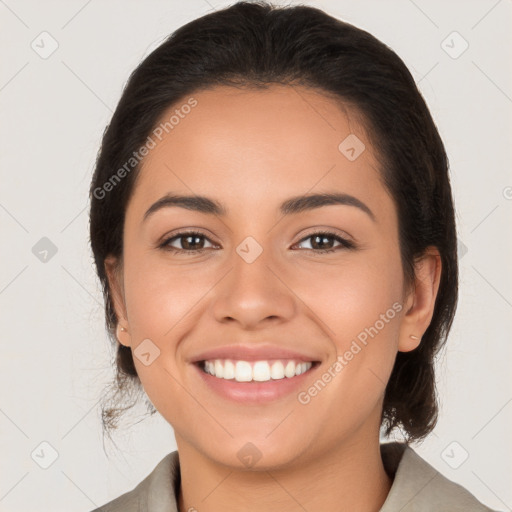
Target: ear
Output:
[(113, 269), (419, 306)]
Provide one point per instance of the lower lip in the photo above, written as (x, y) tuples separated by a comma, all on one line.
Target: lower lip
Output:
[(256, 392)]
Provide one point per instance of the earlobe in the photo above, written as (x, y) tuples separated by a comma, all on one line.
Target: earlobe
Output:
[(123, 336), (422, 298), (116, 289)]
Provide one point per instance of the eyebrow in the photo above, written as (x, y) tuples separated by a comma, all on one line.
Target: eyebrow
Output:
[(291, 206)]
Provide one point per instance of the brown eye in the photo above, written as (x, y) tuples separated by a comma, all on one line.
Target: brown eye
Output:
[(324, 242), (187, 242)]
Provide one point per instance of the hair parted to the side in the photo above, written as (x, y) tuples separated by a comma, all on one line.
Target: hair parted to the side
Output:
[(254, 44)]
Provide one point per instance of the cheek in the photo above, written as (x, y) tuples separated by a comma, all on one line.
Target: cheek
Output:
[(158, 295), (359, 306), (352, 296), (163, 303), (160, 305)]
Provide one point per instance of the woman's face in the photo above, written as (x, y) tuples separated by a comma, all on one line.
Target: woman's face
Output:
[(258, 287)]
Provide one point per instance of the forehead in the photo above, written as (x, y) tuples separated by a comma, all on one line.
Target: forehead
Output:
[(245, 145)]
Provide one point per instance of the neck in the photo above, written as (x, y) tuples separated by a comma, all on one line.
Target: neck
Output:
[(349, 477)]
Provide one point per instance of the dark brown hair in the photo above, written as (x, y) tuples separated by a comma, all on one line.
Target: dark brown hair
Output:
[(257, 44)]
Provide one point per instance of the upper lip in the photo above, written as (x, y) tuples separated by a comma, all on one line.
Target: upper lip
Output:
[(252, 353)]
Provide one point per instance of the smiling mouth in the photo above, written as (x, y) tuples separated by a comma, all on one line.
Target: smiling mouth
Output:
[(255, 371)]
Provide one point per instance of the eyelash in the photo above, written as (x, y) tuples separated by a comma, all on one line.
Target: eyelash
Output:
[(345, 244)]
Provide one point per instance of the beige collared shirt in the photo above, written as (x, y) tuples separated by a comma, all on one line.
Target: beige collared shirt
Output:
[(417, 487)]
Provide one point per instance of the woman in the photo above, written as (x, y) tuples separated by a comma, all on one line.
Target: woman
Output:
[(273, 226)]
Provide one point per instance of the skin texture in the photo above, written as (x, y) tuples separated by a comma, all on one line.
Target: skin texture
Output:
[(251, 150)]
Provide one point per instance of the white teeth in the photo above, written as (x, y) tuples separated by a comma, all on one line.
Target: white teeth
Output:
[(219, 369), (243, 371), (277, 370), (259, 371), (229, 370), (289, 371)]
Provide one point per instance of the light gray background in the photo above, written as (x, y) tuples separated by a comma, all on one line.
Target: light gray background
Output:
[(55, 357)]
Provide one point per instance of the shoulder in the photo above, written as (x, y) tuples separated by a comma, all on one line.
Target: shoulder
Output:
[(155, 493), (419, 487)]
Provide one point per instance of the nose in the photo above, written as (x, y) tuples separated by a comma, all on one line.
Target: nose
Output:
[(253, 294)]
